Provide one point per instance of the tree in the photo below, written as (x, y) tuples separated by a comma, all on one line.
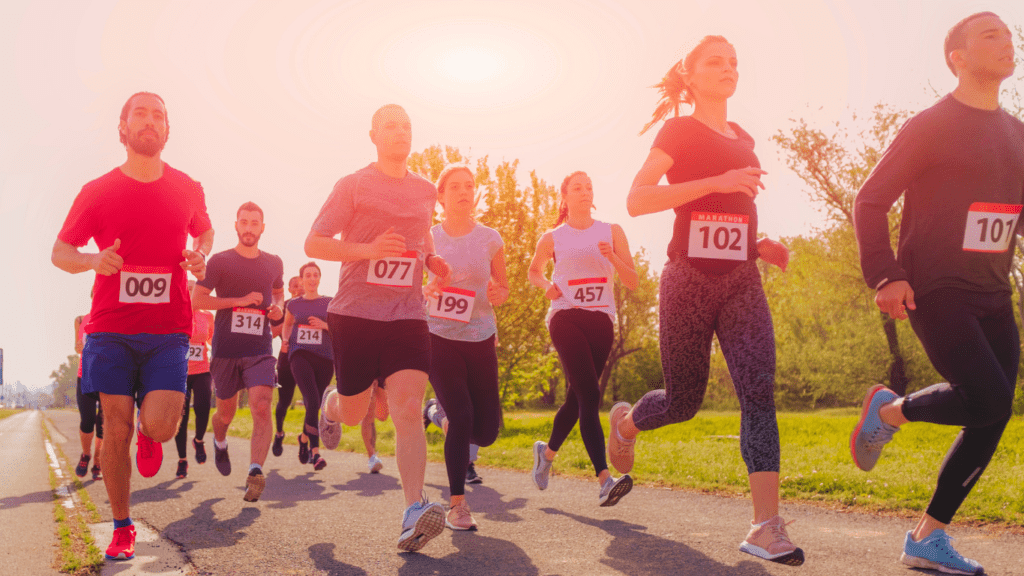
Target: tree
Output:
[(65, 379)]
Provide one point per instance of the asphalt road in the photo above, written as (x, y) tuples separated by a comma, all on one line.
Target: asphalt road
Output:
[(345, 521)]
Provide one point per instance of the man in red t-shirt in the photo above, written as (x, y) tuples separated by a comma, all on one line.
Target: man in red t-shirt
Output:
[(140, 214)]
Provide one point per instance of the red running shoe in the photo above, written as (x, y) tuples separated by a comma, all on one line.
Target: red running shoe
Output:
[(123, 545), (149, 456)]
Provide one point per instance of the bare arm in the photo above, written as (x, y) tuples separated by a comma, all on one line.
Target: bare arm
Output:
[(202, 300), (545, 251), (195, 259), (621, 258), (647, 197), (330, 248), (276, 309), (286, 330), (78, 343), (69, 259), (497, 287)]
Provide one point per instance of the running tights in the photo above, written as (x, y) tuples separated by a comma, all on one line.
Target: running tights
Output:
[(465, 378), (583, 340), (90, 413), (312, 375), (694, 306), (198, 387), (285, 392), (972, 340)]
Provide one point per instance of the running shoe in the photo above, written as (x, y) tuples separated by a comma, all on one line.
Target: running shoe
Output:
[(472, 477), (421, 522), (620, 450), (871, 434), (303, 450), (83, 466), (96, 474), (200, 447), (221, 459), (614, 489), (770, 541), (936, 552), (459, 517), (330, 432), (123, 545), (149, 455), (541, 465), (182, 469), (426, 412), (318, 462), (255, 482), (374, 464), (278, 448)]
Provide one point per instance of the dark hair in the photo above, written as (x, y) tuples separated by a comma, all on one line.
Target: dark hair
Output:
[(442, 180), (128, 108), (299, 277), (309, 265), (956, 38), (673, 85), (249, 207), (380, 114), (563, 208)]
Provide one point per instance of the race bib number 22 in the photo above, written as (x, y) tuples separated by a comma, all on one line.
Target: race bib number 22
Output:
[(990, 227)]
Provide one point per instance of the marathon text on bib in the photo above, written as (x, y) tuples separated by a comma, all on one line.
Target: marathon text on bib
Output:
[(145, 285), (248, 321), (310, 335), (718, 236), (990, 227), (453, 304), (195, 352), (590, 293), (393, 270)]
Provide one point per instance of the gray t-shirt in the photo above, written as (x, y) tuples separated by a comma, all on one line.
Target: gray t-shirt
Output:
[(362, 206), (470, 258)]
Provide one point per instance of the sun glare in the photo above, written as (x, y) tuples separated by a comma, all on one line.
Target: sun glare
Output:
[(469, 64)]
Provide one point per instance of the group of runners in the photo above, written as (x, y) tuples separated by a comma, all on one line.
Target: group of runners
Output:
[(384, 335)]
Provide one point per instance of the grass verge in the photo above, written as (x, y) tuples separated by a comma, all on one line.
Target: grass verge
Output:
[(5, 412)]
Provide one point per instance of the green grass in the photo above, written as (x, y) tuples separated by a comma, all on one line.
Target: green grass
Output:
[(4, 413), (703, 454)]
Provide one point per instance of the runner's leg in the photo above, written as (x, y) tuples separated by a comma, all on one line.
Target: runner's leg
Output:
[(405, 390), (448, 376), (201, 398), (285, 393), (181, 438)]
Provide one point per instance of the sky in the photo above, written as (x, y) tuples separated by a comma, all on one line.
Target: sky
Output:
[(271, 102)]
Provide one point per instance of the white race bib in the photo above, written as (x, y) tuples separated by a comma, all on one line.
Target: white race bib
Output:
[(453, 304), (718, 236), (393, 270), (990, 227), (195, 352), (590, 293), (145, 285), (310, 335), (248, 321)]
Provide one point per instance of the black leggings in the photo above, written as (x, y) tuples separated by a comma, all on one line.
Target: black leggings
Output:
[(583, 340), (198, 387), (90, 413), (285, 392), (312, 375), (465, 378), (972, 340)]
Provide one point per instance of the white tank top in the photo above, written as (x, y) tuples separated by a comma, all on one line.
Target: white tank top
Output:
[(581, 272)]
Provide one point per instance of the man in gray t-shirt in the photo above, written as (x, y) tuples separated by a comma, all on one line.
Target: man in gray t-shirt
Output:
[(378, 326)]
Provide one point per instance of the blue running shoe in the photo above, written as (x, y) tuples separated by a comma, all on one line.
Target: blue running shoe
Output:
[(936, 552), (871, 434)]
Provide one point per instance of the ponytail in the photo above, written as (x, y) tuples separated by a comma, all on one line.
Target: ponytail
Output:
[(563, 208), (673, 88)]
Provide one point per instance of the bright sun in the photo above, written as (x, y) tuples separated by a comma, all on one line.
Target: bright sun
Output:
[(470, 64)]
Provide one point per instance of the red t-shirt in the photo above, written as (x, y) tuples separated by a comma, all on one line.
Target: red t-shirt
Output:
[(199, 351), (153, 221)]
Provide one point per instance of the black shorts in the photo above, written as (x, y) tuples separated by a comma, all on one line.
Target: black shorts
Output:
[(368, 350)]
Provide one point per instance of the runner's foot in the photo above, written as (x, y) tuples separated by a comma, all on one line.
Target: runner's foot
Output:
[(936, 552), (541, 465), (421, 522), (200, 447), (255, 482), (330, 432), (318, 462), (96, 473), (426, 412), (871, 433), (770, 541), (620, 450), (83, 466), (374, 464), (182, 469), (472, 477), (459, 517), (614, 489), (303, 450), (278, 447), (122, 547), (221, 459), (148, 456)]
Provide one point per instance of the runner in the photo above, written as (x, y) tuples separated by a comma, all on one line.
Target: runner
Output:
[(140, 215), (250, 285), (463, 361), (434, 414), (89, 412), (368, 429), (383, 214), (960, 165), (199, 384), (285, 380), (587, 253), (307, 341), (711, 284)]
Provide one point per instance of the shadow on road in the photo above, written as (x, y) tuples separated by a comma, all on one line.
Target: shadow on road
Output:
[(162, 491), (322, 556), (370, 484), (203, 530), (632, 551), (477, 555), (288, 492), (41, 497), (488, 502)]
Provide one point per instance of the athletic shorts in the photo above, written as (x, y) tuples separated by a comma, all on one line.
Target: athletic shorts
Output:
[(368, 350), (134, 364), (232, 375)]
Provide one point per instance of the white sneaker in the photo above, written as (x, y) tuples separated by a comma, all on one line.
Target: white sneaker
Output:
[(614, 489), (541, 465), (375, 464), (421, 522)]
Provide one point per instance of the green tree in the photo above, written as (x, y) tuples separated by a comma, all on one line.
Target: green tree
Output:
[(65, 379)]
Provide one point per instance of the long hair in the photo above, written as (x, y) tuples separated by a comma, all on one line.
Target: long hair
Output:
[(563, 208), (673, 88)]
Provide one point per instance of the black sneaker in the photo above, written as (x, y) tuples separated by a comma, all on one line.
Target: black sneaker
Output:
[(220, 458), (200, 447), (303, 451), (472, 477), (96, 474), (83, 466), (318, 462), (278, 448), (182, 469)]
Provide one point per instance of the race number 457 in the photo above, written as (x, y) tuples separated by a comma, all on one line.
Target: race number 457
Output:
[(393, 270), (145, 285), (990, 227), (590, 293)]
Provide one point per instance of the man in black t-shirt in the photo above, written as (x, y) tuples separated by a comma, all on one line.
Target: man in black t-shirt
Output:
[(250, 289)]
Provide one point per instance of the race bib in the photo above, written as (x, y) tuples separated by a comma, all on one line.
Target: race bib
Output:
[(310, 335), (145, 285), (990, 227), (590, 293), (453, 304), (248, 321), (195, 353), (718, 236), (393, 270)]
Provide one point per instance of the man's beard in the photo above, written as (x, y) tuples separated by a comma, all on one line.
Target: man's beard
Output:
[(248, 239), (148, 148)]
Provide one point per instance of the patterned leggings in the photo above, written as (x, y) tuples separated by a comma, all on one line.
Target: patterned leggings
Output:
[(694, 306)]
